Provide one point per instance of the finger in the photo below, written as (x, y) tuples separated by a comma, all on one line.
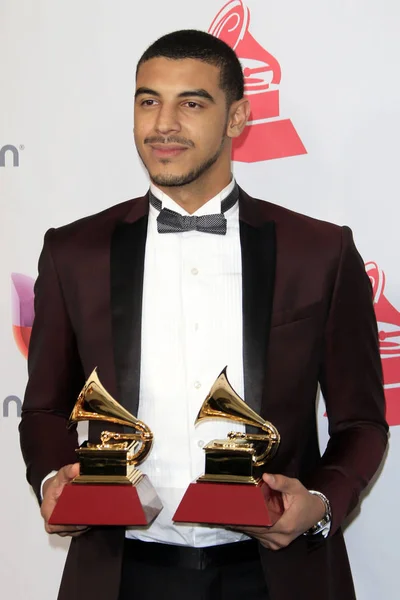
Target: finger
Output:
[(249, 530), (283, 526), (272, 541), (66, 474), (281, 483), (64, 528), (270, 545), (73, 534), (276, 542), (268, 537)]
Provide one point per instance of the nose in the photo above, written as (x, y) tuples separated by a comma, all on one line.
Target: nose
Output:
[(167, 120)]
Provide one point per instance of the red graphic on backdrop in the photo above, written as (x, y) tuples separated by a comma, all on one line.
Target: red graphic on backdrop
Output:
[(22, 310), (388, 318), (267, 135)]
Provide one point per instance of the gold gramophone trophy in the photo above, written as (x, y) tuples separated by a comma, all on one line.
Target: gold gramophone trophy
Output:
[(232, 492), (109, 490)]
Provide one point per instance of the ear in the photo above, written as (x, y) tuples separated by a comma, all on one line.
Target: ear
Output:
[(239, 114)]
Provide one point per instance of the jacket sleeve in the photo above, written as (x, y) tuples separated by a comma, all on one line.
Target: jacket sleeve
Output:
[(55, 378), (351, 383)]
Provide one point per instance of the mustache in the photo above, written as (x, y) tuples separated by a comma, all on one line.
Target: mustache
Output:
[(169, 140)]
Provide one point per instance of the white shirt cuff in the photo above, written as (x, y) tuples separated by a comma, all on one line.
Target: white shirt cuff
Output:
[(44, 481)]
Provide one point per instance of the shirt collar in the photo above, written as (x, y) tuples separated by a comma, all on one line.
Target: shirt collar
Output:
[(211, 207)]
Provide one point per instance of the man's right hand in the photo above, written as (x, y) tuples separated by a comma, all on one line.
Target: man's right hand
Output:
[(52, 489)]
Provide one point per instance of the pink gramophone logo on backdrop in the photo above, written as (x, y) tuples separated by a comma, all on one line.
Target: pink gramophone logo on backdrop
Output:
[(22, 310), (267, 135)]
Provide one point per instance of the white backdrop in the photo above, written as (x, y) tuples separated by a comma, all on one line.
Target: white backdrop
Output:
[(66, 111)]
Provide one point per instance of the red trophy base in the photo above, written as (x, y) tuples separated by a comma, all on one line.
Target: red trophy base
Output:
[(85, 504), (230, 504)]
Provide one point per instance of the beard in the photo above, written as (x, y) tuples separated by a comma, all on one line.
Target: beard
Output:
[(168, 180)]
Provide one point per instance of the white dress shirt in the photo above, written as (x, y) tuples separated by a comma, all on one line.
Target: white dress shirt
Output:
[(191, 329)]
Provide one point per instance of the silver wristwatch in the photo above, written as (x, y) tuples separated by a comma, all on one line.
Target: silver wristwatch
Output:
[(323, 526)]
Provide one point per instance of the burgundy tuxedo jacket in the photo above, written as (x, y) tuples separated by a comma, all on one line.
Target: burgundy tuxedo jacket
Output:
[(308, 320)]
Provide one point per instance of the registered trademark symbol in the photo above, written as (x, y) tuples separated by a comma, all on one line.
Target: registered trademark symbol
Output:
[(21, 147)]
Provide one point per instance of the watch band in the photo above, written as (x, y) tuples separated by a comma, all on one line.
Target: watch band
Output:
[(323, 526)]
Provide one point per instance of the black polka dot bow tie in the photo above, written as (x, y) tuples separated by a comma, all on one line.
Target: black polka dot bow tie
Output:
[(169, 221)]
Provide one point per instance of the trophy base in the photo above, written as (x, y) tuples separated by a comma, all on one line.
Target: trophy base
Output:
[(108, 504), (230, 504)]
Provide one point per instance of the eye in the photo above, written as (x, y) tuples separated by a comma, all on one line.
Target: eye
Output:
[(192, 104), (148, 102)]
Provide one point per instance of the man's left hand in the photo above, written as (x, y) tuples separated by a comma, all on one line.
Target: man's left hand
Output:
[(302, 510)]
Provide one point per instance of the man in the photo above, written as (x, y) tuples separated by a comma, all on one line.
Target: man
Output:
[(161, 304)]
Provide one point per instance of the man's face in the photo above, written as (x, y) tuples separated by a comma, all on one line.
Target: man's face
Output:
[(180, 120)]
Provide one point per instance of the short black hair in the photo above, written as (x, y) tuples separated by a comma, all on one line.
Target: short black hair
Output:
[(199, 45)]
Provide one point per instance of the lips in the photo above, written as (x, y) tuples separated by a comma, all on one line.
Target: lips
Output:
[(167, 151)]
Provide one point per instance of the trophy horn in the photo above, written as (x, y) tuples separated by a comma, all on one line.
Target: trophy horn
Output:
[(96, 404), (222, 402)]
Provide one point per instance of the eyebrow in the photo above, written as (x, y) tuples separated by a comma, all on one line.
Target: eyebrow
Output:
[(145, 90), (199, 93)]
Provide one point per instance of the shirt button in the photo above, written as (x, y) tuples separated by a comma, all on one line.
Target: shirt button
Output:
[(200, 443), (194, 271), (197, 385)]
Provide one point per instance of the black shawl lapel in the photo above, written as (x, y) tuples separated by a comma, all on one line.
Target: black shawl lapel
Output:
[(127, 267), (258, 248)]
